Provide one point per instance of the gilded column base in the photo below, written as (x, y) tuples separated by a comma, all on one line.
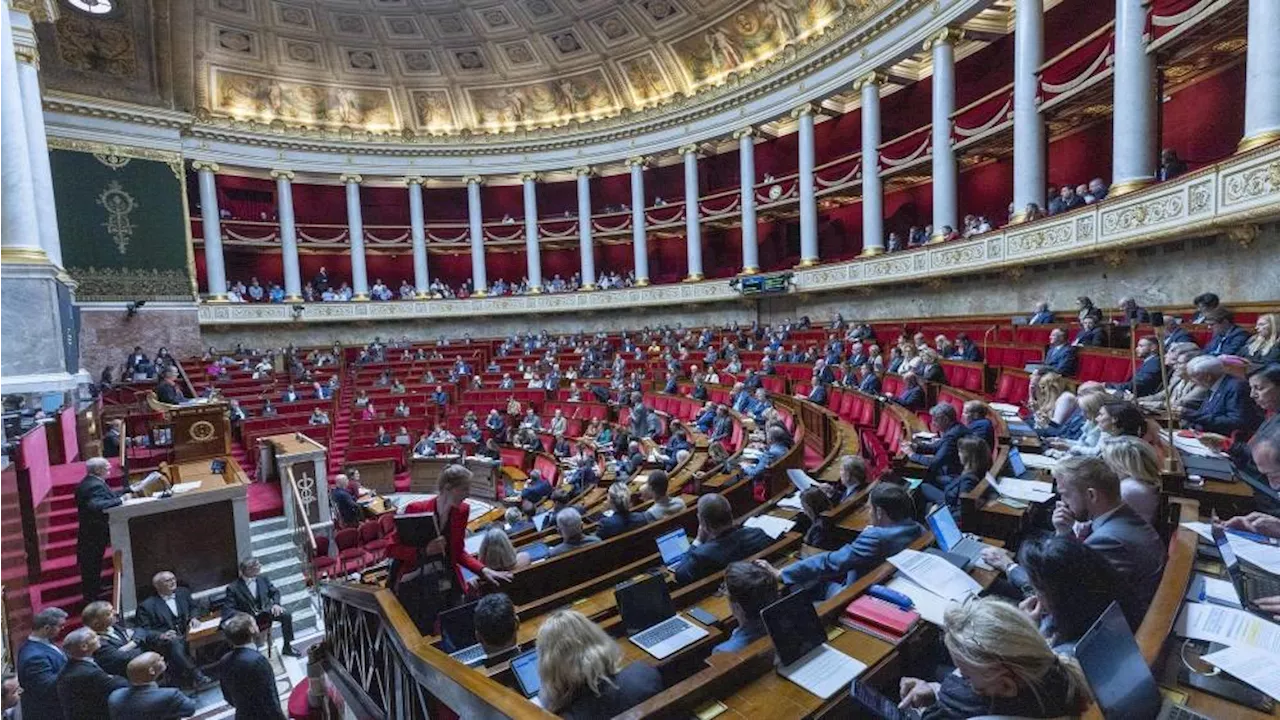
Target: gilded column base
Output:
[(752, 270), (937, 238), (294, 299), (589, 287), (808, 263), (641, 282), (1127, 186), (1018, 217), (871, 252), (694, 277), (24, 256), (360, 298), (1265, 137), (216, 298), (536, 290), (479, 294), (422, 296)]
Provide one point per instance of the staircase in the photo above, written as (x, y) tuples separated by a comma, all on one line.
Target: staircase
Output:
[(273, 547)]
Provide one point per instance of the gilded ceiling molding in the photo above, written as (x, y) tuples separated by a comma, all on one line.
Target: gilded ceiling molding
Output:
[(744, 132), (478, 180), (528, 176), (805, 109), (874, 77), (111, 149), (690, 148), (643, 162)]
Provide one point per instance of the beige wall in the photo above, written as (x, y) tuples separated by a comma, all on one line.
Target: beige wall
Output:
[(106, 336)]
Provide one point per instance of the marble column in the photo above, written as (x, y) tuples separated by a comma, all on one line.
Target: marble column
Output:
[(586, 247), (945, 174), (872, 187), (479, 280), (288, 235), (747, 180), (532, 250), (37, 141), (1133, 143), (639, 240), (355, 228), (1262, 76), (418, 234), (1029, 173), (803, 116), (20, 225), (210, 221), (692, 215)]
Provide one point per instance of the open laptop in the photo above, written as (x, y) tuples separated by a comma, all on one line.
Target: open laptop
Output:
[(673, 546), (1016, 465), (458, 631), (804, 656), (525, 668), (651, 620), (950, 539), (1250, 586), (1122, 684)]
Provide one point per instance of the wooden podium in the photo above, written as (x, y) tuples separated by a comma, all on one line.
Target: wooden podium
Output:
[(199, 533), (200, 429)]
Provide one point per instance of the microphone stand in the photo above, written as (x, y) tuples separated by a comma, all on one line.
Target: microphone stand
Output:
[(1169, 465)]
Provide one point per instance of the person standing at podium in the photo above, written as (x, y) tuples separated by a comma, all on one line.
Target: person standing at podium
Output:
[(93, 498)]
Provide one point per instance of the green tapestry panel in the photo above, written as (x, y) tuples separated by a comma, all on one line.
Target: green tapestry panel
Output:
[(123, 225)]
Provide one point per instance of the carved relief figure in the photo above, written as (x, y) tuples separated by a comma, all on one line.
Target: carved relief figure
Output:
[(266, 99)]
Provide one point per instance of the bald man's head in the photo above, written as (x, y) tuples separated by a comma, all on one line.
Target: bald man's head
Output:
[(146, 668)]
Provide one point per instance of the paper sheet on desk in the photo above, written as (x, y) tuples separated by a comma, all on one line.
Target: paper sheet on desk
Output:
[(791, 501), (186, 487), (1192, 446), (1266, 557), (800, 479), (212, 622), (1033, 491), (1212, 590), (937, 574), (1235, 628), (472, 543), (1039, 462), (1005, 408), (931, 606), (138, 500), (774, 527), (1250, 665)]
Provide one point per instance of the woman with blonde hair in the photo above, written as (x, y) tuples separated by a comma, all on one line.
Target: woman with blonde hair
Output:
[(1090, 440), (1136, 464), (497, 552), (1004, 667), (580, 670), (1055, 411), (1264, 347)]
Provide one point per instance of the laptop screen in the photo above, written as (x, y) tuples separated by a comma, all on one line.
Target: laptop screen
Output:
[(1224, 548), (794, 626), (1015, 461), (874, 702), (643, 603), (1122, 683), (673, 546), (458, 627), (944, 528), (525, 668), (537, 551)]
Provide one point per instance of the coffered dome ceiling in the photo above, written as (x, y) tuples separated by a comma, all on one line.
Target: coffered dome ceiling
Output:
[(443, 67)]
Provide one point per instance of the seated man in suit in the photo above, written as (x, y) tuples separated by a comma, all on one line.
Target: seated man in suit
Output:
[(569, 524), (1228, 407), (633, 461), (941, 455), (117, 642), (536, 489), (778, 445), (1060, 356), (1042, 316), (751, 588), (144, 699), (912, 395), (167, 390), (719, 541), (170, 613), (966, 349), (1174, 333), (1090, 334), (289, 395), (705, 418), (977, 418), (818, 394), (1146, 377), (891, 530), (722, 426), (83, 686), (496, 624), (345, 500), (870, 382), (622, 518), (1090, 493), (39, 662), (253, 593), (1228, 338), (248, 680)]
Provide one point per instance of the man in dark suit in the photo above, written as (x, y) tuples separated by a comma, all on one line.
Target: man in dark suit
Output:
[(93, 498), (248, 682), (345, 500), (633, 462), (117, 642), (722, 426), (1090, 334), (169, 614), (167, 390), (824, 372), (870, 382), (720, 542), (941, 456), (83, 686), (1174, 333), (977, 418), (496, 624), (144, 699), (818, 394), (39, 662), (1060, 357), (912, 395), (1228, 338), (1146, 377), (1228, 408), (966, 349), (254, 594)]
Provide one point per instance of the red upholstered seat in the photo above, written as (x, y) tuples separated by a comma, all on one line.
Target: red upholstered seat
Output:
[(349, 551), (323, 561), (372, 539)]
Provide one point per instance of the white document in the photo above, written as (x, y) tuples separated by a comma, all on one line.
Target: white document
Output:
[(774, 527), (824, 671), (139, 500), (472, 543), (1034, 491), (791, 501), (1265, 557), (937, 574), (186, 487), (800, 479), (1192, 446), (200, 625), (1250, 665), (1004, 408), (1212, 590), (1039, 462), (931, 606), (925, 435), (1237, 628)]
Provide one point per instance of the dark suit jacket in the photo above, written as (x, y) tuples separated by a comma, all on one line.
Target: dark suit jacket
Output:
[(348, 509), (911, 398), (870, 384), (1146, 379), (944, 458), (249, 685), (1177, 335), (983, 428), (1089, 338), (149, 702), (933, 373), (109, 654), (618, 523), (970, 353), (1061, 359), (636, 683), (38, 668), (153, 614), (93, 497), (239, 599), (737, 544), (871, 547), (818, 395), (167, 392), (83, 688), (1227, 409), (1232, 343)]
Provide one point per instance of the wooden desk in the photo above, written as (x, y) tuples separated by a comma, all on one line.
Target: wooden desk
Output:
[(378, 474)]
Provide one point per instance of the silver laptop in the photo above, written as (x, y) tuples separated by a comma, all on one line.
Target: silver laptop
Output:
[(673, 547), (651, 620)]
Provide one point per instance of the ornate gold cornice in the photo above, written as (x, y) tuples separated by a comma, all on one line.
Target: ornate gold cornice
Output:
[(638, 161), (285, 174), (110, 150), (690, 148), (946, 36), (584, 171), (27, 53), (805, 109), (349, 178), (199, 165), (23, 256)]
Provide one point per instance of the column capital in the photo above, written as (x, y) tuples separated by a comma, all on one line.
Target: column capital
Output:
[(805, 109), (285, 174), (39, 10), (691, 148), (199, 165), (26, 52), (945, 36), (637, 161), (584, 170), (350, 178), (874, 77), (469, 179), (529, 177), (415, 180), (744, 132)]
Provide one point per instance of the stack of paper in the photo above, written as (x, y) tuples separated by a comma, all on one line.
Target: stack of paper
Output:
[(185, 487), (932, 607), (791, 501), (1256, 667), (1192, 446), (1040, 462), (1229, 626), (1212, 590), (774, 527), (1033, 491), (1266, 557), (935, 573), (1005, 408)]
